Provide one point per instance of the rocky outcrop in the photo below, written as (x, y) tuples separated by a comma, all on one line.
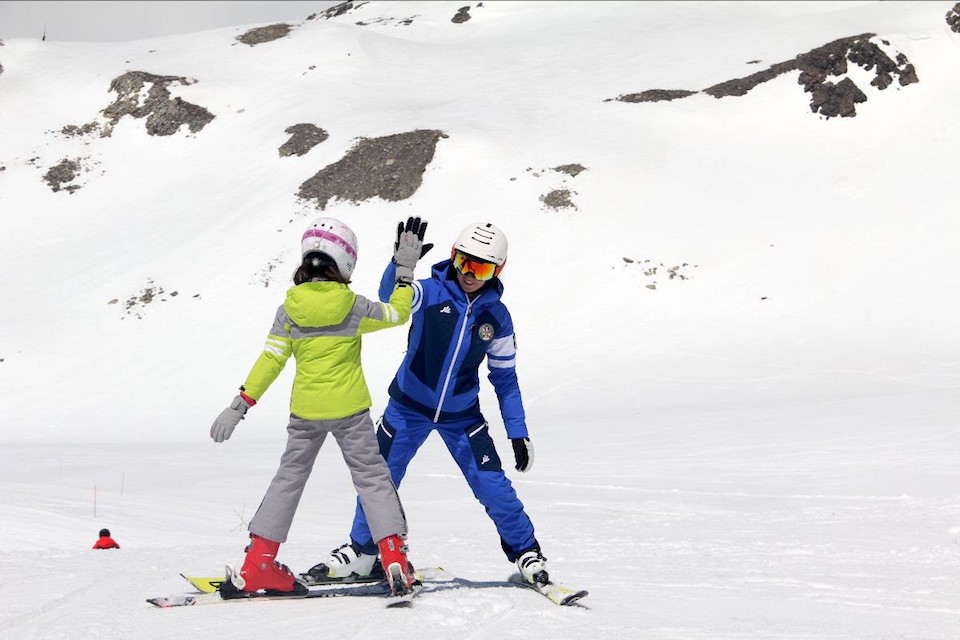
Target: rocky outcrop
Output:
[(822, 74), (953, 18), (303, 137), (164, 114), (390, 167), (265, 34)]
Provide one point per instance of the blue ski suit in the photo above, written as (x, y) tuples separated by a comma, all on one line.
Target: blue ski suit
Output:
[(437, 388)]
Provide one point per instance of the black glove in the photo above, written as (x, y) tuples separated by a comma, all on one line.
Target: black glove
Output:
[(423, 228), (408, 248), (522, 453)]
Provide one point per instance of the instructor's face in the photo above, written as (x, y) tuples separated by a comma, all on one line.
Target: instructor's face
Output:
[(468, 283)]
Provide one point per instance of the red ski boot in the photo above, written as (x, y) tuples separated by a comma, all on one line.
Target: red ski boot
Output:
[(262, 571), (393, 557)]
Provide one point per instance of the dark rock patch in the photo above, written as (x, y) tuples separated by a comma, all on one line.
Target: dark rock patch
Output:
[(74, 131), (836, 99), (136, 303), (346, 7), (655, 95), (953, 18), (831, 60), (462, 15), (741, 86), (558, 199), (828, 98), (572, 170), (165, 115), (265, 34), (336, 10), (61, 173), (303, 137), (390, 168)]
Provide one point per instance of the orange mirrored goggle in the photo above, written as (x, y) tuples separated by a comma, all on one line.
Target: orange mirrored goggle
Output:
[(480, 269)]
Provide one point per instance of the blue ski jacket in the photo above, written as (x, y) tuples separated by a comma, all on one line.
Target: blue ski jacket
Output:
[(449, 337)]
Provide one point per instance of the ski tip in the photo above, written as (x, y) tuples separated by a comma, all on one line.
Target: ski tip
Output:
[(401, 604), (175, 601), (558, 593), (204, 584), (573, 598)]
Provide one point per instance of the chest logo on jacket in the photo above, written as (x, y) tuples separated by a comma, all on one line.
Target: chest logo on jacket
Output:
[(486, 332)]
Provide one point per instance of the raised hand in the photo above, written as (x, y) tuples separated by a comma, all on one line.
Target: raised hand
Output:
[(409, 248)]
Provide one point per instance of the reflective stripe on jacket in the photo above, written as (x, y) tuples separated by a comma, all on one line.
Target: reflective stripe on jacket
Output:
[(320, 324), (450, 336)]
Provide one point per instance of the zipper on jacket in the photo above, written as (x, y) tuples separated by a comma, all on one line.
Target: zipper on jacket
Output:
[(456, 352)]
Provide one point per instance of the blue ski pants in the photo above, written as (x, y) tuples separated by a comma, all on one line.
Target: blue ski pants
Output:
[(401, 431)]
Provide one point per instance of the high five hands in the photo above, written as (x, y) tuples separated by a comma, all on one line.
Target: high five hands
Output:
[(409, 247)]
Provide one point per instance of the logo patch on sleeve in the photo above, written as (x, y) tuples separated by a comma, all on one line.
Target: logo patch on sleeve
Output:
[(486, 332)]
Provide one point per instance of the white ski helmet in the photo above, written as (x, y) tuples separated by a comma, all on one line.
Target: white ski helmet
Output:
[(485, 241), (335, 239)]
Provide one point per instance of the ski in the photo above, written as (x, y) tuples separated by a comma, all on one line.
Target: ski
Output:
[(206, 584), (429, 579), (558, 594), (194, 599), (209, 591)]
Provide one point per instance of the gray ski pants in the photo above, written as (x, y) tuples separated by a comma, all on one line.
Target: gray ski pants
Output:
[(371, 477)]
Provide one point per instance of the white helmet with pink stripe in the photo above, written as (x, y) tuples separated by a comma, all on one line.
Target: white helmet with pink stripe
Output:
[(333, 238)]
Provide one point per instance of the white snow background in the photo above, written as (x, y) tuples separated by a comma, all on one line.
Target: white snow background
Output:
[(763, 446)]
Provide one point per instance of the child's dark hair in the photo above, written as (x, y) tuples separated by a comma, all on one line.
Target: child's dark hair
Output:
[(318, 266)]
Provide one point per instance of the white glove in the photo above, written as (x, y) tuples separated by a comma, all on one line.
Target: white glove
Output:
[(222, 428)]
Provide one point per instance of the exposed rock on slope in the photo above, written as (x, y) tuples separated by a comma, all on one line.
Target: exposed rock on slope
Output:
[(953, 18), (390, 167), (303, 137), (165, 114), (336, 10), (265, 34), (63, 172), (818, 69)]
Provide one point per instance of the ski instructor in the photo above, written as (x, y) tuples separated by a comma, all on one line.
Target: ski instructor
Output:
[(458, 320)]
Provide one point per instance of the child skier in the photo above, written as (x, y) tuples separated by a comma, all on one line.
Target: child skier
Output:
[(105, 541), (320, 324), (458, 320)]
